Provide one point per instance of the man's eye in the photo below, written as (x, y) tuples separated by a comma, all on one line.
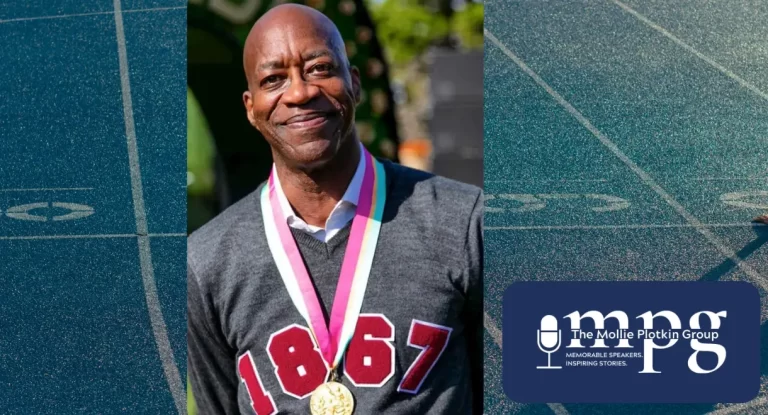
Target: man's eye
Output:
[(270, 80), (322, 68)]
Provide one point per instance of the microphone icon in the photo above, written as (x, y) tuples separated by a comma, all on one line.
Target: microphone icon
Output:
[(548, 338)]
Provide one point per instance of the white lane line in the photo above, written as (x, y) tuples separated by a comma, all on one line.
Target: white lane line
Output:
[(558, 409), (65, 16), (155, 9), (739, 408), (58, 16), (167, 235), (715, 179), (691, 49), (642, 174), (495, 333), (48, 189), (94, 236), (33, 237), (547, 181), (159, 328), (612, 227)]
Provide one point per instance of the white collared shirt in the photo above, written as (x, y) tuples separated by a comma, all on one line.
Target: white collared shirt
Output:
[(342, 213)]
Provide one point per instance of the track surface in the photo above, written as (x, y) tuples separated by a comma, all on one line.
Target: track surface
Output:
[(92, 206), (624, 141)]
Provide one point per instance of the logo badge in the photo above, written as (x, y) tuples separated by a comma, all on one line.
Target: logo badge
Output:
[(631, 342)]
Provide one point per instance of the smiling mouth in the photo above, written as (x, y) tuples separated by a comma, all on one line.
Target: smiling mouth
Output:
[(312, 120)]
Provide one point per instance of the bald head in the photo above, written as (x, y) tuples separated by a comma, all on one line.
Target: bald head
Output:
[(286, 18), (302, 92)]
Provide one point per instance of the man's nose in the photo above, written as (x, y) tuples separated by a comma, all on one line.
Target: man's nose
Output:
[(299, 91)]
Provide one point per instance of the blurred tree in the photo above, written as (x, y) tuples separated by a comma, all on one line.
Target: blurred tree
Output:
[(408, 30), (468, 25)]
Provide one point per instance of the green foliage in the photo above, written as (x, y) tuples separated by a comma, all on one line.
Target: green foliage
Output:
[(191, 406), (468, 25), (200, 149), (408, 28)]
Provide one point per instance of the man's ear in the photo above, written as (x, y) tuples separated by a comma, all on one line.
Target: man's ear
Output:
[(356, 84), (248, 102)]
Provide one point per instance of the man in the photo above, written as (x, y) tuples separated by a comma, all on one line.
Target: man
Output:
[(344, 283)]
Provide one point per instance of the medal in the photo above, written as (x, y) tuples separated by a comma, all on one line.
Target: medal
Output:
[(332, 397)]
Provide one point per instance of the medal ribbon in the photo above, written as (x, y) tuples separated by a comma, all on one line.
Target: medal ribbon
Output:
[(355, 270)]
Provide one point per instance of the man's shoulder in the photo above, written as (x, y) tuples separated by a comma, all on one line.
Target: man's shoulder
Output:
[(434, 218), (214, 241), (428, 188)]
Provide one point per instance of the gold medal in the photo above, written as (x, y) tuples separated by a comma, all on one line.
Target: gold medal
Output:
[(331, 398)]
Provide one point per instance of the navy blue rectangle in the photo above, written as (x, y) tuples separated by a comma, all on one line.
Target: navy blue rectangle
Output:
[(579, 378)]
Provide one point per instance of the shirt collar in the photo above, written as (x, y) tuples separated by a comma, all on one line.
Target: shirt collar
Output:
[(351, 195)]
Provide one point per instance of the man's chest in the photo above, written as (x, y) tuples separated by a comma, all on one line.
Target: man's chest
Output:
[(408, 338)]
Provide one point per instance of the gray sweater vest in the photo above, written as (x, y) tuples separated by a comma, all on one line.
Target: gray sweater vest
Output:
[(417, 346)]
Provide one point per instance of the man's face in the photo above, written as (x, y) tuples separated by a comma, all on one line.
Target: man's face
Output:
[(302, 93)]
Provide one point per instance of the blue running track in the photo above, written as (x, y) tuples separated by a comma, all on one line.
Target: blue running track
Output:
[(624, 140), (92, 206)]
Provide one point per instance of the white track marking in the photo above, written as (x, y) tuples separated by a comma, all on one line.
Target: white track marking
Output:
[(725, 71), (159, 328), (754, 276), (495, 333), (558, 408), (65, 16), (535, 202), (736, 199), (21, 212), (548, 181), (77, 211), (155, 9), (48, 189), (612, 227), (715, 179), (59, 16), (740, 407)]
